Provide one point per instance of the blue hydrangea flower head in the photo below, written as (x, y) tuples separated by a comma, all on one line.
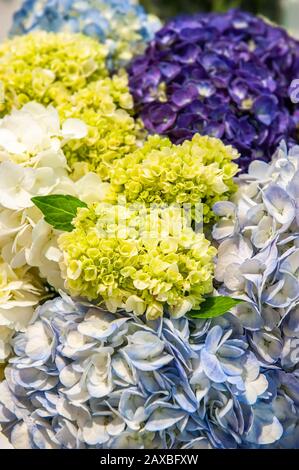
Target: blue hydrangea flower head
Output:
[(122, 24), (84, 378), (258, 261)]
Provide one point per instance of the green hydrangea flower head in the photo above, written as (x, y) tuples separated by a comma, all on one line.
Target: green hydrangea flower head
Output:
[(197, 171), (140, 259), (69, 71), (105, 105)]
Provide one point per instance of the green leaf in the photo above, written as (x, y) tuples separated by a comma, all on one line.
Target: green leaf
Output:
[(215, 307), (59, 210)]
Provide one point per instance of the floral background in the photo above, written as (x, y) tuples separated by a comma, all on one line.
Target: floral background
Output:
[(256, 227)]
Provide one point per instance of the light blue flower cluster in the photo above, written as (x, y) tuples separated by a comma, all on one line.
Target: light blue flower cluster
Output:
[(84, 378), (122, 24), (258, 257), (258, 261)]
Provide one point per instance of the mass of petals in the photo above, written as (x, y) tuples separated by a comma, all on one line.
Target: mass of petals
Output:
[(196, 172), (258, 261), (20, 293), (222, 74), (32, 163), (122, 25), (84, 378), (69, 72), (149, 230), (141, 260)]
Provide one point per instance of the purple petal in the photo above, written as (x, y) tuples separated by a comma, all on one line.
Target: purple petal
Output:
[(158, 117), (265, 109)]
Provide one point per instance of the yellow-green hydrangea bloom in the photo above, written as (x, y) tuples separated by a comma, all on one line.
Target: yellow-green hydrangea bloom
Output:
[(105, 105), (197, 171), (48, 67), (69, 72), (141, 260)]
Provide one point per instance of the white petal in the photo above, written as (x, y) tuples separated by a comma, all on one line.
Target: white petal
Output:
[(9, 142), (94, 432), (74, 129), (20, 437)]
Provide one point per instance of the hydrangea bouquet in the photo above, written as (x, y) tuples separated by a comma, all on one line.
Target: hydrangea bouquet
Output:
[(149, 284)]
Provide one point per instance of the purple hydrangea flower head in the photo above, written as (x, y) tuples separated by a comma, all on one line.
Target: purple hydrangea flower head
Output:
[(228, 75)]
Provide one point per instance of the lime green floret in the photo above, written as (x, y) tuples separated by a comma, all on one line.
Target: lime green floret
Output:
[(198, 171), (69, 71), (143, 261)]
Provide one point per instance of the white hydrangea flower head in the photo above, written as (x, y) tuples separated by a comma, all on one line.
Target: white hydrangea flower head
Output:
[(20, 292)]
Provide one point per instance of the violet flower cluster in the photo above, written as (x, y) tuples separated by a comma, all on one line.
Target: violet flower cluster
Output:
[(226, 75), (84, 378)]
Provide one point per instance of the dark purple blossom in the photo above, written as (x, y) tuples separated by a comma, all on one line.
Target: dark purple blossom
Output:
[(226, 75)]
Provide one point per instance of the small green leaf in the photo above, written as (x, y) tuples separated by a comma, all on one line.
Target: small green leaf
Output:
[(59, 210), (214, 307)]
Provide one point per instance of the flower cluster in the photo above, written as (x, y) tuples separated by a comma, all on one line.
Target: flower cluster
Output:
[(139, 259), (32, 163), (69, 72), (48, 67), (105, 106), (93, 207), (258, 259), (197, 172), (122, 25), (83, 378), (226, 75), (20, 293), (33, 137)]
